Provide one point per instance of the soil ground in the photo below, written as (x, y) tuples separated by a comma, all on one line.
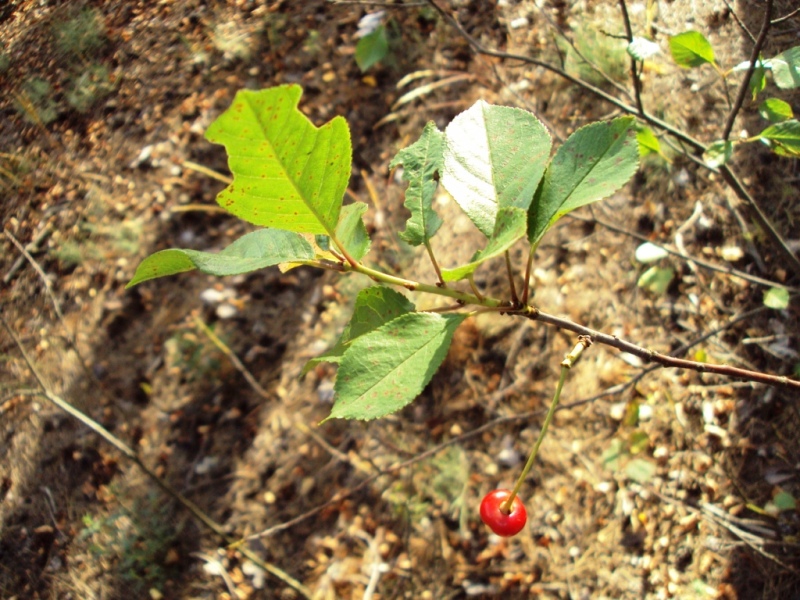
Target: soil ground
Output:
[(662, 489)]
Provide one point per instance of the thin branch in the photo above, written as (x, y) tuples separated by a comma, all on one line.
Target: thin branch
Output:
[(511, 286), (698, 261), (730, 178), (582, 56), (754, 59), (786, 17), (32, 246), (740, 23), (131, 455), (656, 357), (527, 283), (637, 82), (223, 347), (435, 264), (48, 286)]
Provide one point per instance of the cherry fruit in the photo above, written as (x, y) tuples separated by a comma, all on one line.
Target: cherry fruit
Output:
[(503, 523)]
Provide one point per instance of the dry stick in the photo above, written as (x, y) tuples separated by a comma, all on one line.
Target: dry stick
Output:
[(232, 357), (637, 82), (786, 17), (754, 59), (48, 286), (30, 247), (739, 22), (698, 261), (730, 177), (129, 453)]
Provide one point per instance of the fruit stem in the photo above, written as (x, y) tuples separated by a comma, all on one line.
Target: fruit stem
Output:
[(569, 360)]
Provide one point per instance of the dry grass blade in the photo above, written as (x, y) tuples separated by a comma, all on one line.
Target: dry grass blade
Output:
[(426, 89)]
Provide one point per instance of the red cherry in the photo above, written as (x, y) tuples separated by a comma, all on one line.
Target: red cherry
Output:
[(498, 521)]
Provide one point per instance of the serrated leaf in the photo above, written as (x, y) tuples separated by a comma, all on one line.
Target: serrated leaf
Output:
[(656, 280), (691, 49), (384, 370), (640, 470), (256, 250), (351, 231), (510, 226), (374, 306), (648, 142), (718, 153), (641, 48), (593, 163), (422, 161), (287, 173), (494, 157), (786, 68), (783, 138), (775, 110), (777, 298), (372, 48)]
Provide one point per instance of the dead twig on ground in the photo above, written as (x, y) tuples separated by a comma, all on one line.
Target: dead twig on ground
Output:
[(131, 455), (223, 347)]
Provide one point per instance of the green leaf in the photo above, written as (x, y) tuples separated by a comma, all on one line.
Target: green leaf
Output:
[(494, 157), (786, 68), (422, 162), (638, 442), (510, 226), (384, 370), (718, 153), (323, 241), (775, 110), (640, 470), (593, 163), (287, 173), (784, 501), (256, 250), (648, 142), (612, 456), (656, 280), (351, 230), (783, 138), (691, 49), (372, 48), (758, 81), (374, 306), (777, 298)]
